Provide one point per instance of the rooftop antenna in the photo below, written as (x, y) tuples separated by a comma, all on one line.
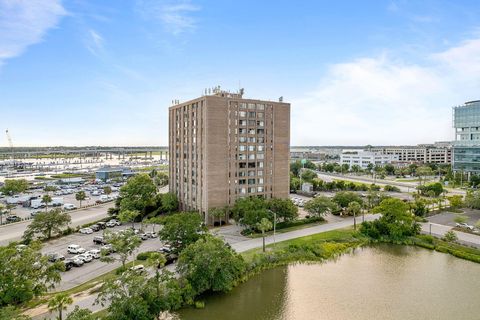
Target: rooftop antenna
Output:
[(280, 99)]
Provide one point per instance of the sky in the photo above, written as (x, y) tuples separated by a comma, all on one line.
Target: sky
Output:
[(378, 72)]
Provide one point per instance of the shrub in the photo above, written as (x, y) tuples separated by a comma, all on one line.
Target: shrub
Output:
[(144, 255), (199, 304), (450, 236), (389, 188)]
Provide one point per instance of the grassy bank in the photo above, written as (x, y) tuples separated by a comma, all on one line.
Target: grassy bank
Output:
[(454, 249), (283, 227), (318, 247)]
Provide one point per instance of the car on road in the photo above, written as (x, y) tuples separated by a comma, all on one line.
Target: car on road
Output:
[(69, 206), (465, 225), (94, 253), (170, 258), (13, 218), (34, 213), (95, 227), (102, 225), (75, 249), (111, 224), (138, 268), (143, 236), (86, 231), (165, 249), (54, 257)]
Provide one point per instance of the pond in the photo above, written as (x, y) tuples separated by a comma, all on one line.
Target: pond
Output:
[(380, 282)]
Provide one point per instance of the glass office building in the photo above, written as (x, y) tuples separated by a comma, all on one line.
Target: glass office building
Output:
[(466, 148)]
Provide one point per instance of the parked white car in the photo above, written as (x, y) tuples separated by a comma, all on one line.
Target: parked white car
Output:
[(95, 253), (86, 231), (75, 249), (84, 257)]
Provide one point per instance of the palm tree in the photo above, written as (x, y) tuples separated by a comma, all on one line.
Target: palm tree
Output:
[(80, 196), (46, 199), (354, 208), (59, 302), (264, 225)]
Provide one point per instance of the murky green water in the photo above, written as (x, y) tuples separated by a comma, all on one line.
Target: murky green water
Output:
[(383, 282)]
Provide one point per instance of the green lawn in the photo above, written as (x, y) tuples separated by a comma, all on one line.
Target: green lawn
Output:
[(299, 227)]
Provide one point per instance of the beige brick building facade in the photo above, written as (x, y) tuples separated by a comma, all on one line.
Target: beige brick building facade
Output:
[(223, 147)]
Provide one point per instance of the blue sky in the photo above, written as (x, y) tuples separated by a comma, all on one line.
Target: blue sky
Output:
[(89, 72)]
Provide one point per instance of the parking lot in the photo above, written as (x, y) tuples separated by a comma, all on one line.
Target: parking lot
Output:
[(95, 268)]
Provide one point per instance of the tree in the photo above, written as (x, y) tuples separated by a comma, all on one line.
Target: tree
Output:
[(46, 199), (450, 236), (181, 229), (424, 172), (284, 209), (456, 201), (80, 196), (169, 202), (209, 264), (396, 222), (264, 225), (137, 193), (249, 211), (47, 223), (12, 186), (123, 243), (126, 297), (354, 208), (107, 190), (80, 314), (2, 212), (217, 213), (294, 183), (161, 179), (308, 175), (320, 206), (431, 190), (25, 273), (419, 207), (389, 169), (127, 216), (12, 313), (59, 302), (48, 189), (472, 199), (389, 188), (343, 198)]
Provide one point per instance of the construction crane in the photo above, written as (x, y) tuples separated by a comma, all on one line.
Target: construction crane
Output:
[(10, 143)]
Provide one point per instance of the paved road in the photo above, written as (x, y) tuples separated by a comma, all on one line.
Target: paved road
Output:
[(238, 242), (404, 186), (14, 232), (439, 230)]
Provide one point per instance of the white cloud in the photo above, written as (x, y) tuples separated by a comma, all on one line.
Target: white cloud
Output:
[(175, 16), (26, 22), (382, 100), (94, 42)]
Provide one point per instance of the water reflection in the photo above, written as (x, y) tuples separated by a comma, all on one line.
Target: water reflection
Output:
[(381, 282)]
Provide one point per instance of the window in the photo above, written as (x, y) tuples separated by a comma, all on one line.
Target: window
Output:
[(242, 190), (260, 173), (252, 123), (260, 114), (252, 190), (260, 181), (242, 114), (260, 148), (242, 165), (242, 174), (260, 131), (260, 106), (260, 164), (251, 181), (242, 139), (243, 130), (251, 106), (260, 123), (242, 122), (242, 148), (260, 189), (261, 139), (251, 156), (251, 114), (251, 164), (243, 105), (242, 156), (242, 181), (260, 156), (251, 173), (252, 139), (251, 148), (251, 131)]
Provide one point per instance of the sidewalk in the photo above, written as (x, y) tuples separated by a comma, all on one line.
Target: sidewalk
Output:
[(439, 230)]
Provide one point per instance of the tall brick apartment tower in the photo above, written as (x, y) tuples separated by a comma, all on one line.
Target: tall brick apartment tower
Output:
[(223, 147)]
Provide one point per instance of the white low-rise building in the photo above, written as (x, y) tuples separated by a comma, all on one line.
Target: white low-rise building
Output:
[(364, 158)]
